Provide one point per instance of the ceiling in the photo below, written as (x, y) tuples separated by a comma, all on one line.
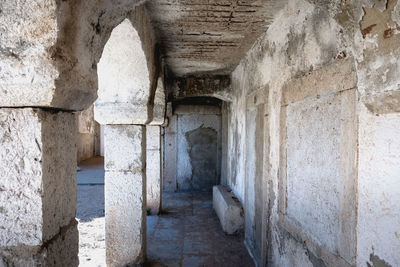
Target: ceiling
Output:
[(208, 36)]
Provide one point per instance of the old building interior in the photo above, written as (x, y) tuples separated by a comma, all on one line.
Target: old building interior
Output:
[(200, 133)]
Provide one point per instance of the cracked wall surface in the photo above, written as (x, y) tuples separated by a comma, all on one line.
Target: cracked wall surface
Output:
[(311, 113), (193, 138), (321, 51)]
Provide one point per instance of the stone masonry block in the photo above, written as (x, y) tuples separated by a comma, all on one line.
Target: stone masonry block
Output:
[(228, 209), (153, 176), (124, 147), (62, 250), (38, 184), (125, 217), (125, 194), (153, 137)]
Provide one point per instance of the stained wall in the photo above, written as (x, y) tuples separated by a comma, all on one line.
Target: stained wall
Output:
[(328, 78), (193, 148)]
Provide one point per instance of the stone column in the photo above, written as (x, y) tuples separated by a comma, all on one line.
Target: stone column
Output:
[(153, 169), (37, 188), (124, 105), (170, 152), (125, 194)]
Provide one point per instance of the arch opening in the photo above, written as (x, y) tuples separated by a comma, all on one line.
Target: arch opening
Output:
[(122, 109)]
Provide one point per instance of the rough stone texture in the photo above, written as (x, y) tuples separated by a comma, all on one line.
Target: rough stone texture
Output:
[(228, 209), (159, 107), (209, 36), (124, 79), (153, 169), (49, 57), (125, 153), (38, 188), (213, 86), (379, 188), (125, 218), (125, 194), (62, 250), (49, 52)]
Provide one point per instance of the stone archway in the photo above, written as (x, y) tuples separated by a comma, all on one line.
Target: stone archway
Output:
[(47, 74), (122, 107)]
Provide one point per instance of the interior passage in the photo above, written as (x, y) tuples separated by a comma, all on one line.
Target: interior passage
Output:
[(188, 233)]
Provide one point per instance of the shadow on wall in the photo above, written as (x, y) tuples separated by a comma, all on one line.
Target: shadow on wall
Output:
[(203, 153)]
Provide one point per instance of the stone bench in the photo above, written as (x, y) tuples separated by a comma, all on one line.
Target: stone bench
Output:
[(228, 209)]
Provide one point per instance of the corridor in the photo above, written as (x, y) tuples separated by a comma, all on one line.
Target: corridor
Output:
[(288, 111), (187, 233)]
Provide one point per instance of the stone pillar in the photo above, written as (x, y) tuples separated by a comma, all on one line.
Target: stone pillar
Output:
[(124, 106), (37, 188), (170, 152), (125, 194), (153, 169)]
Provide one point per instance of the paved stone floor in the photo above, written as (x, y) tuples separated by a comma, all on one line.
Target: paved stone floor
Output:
[(186, 234), (90, 179)]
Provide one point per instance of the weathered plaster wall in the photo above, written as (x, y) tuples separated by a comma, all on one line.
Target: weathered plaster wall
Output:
[(378, 72), (254, 177), (236, 143), (224, 142), (378, 226), (313, 166), (324, 68), (198, 142), (193, 138)]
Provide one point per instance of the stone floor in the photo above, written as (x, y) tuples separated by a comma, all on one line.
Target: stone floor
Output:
[(90, 179), (186, 234)]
